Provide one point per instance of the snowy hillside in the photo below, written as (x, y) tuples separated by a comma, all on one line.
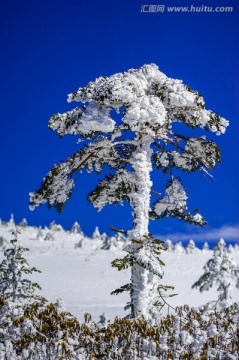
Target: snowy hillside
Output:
[(78, 269)]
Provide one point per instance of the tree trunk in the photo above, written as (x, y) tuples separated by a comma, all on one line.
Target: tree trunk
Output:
[(141, 279)]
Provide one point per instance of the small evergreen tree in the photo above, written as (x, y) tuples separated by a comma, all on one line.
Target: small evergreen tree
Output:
[(49, 237), (96, 234), (40, 234), (220, 247), (23, 223), (2, 241), (236, 247), (79, 244), (55, 227), (191, 247), (13, 268), (11, 221), (110, 242), (60, 305), (221, 271), (205, 247), (169, 245), (107, 242), (76, 228), (150, 103), (178, 248)]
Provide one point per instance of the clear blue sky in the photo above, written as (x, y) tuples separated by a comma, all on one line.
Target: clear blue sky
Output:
[(50, 48)]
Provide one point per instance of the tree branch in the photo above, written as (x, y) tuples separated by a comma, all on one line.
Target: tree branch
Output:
[(118, 230)]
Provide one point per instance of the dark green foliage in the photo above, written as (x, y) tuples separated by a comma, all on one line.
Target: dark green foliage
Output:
[(127, 287), (122, 264), (113, 189)]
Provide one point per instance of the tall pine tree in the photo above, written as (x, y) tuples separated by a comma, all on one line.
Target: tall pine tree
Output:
[(150, 104)]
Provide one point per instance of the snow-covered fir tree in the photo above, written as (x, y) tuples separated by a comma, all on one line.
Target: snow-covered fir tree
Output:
[(169, 245), (23, 223), (13, 269), (3, 241), (222, 272), (149, 104), (40, 235), (55, 227), (191, 247), (96, 234), (110, 242), (11, 222), (220, 247), (79, 244), (205, 247), (236, 247), (49, 237), (120, 237), (120, 240), (60, 305), (107, 242), (178, 248), (76, 229), (103, 320)]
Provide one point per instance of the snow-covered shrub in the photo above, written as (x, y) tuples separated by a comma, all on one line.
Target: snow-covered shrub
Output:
[(38, 331), (221, 271), (41, 331)]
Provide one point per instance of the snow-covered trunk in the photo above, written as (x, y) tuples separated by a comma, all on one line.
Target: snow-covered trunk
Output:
[(140, 202)]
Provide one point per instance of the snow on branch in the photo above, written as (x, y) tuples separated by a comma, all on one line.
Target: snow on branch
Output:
[(174, 204), (114, 189), (84, 121)]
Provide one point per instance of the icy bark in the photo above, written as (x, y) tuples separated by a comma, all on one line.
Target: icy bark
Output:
[(142, 280), (140, 199)]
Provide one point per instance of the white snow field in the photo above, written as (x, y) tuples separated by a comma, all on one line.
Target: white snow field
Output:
[(83, 276)]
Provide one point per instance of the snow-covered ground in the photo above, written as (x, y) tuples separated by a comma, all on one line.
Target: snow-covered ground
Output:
[(83, 276)]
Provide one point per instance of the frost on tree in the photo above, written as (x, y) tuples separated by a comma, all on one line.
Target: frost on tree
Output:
[(14, 267), (222, 271), (148, 104)]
